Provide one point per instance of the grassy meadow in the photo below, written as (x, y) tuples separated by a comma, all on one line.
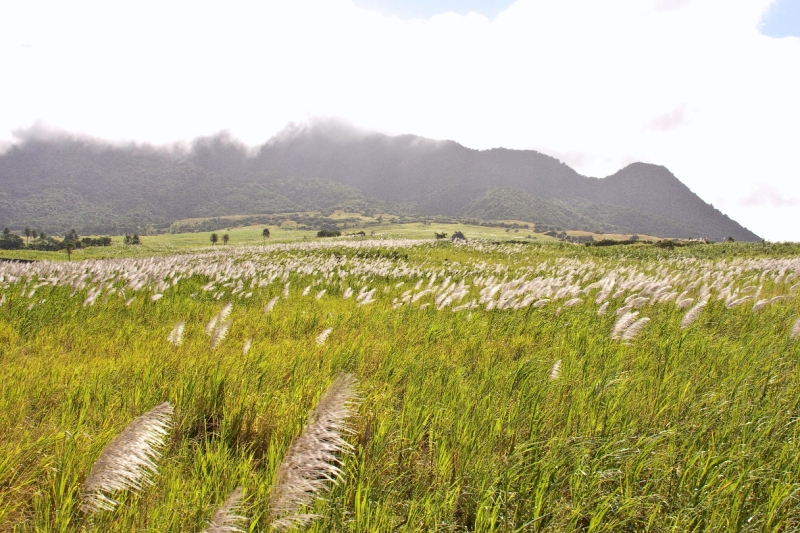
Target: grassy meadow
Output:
[(501, 387), (170, 243)]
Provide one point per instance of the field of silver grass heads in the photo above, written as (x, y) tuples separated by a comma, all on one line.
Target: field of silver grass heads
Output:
[(501, 387)]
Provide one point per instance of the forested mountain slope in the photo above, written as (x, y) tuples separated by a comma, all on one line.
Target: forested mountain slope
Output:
[(56, 184)]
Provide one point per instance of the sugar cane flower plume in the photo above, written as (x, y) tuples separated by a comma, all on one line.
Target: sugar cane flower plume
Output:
[(555, 371), (313, 458), (128, 461), (795, 333), (225, 520), (176, 336)]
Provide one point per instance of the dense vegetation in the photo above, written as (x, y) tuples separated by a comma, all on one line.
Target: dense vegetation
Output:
[(501, 387), (33, 240), (100, 189), (96, 188), (515, 204)]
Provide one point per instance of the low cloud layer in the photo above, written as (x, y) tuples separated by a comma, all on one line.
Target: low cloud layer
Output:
[(766, 196), (690, 84)]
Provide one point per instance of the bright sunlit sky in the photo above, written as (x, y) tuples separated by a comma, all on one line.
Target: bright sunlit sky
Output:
[(708, 88)]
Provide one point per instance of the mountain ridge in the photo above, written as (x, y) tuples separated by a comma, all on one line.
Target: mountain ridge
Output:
[(64, 182)]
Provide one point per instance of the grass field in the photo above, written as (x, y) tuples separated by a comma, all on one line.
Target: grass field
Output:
[(169, 243), (501, 386)]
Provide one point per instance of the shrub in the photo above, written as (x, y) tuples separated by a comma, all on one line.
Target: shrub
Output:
[(329, 233), (98, 241)]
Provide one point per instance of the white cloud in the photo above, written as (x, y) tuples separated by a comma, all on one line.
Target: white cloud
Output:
[(689, 84), (769, 197), (670, 121)]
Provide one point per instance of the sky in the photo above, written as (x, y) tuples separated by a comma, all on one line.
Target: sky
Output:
[(707, 88)]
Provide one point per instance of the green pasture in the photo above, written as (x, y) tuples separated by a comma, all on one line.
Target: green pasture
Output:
[(168, 243)]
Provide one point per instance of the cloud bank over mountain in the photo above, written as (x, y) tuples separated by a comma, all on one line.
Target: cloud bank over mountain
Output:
[(57, 183)]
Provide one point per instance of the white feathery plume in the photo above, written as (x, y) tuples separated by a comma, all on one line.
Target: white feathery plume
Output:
[(734, 303), (156, 297), (286, 290), (176, 336), (761, 304), (247, 344), (271, 304), (225, 520), (305, 291), (211, 325), (313, 458), (571, 302), (323, 336), (128, 461), (623, 323), (622, 310), (129, 302), (795, 333), (348, 292), (603, 309), (540, 303), (692, 314), (321, 293), (634, 329), (226, 311), (555, 371), (219, 334)]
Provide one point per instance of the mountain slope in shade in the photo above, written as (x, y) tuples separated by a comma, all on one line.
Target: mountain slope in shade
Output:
[(95, 187), (444, 177), (514, 204)]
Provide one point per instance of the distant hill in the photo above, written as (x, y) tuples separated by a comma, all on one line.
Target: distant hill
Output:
[(444, 177), (59, 184)]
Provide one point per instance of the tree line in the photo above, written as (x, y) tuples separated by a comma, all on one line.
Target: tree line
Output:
[(32, 239)]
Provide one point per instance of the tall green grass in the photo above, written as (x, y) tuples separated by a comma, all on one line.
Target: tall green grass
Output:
[(459, 426)]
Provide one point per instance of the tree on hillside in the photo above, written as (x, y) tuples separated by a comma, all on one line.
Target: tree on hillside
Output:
[(27, 235), (69, 245), (265, 234), (35, 234), (214, 239), (225, 238)]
